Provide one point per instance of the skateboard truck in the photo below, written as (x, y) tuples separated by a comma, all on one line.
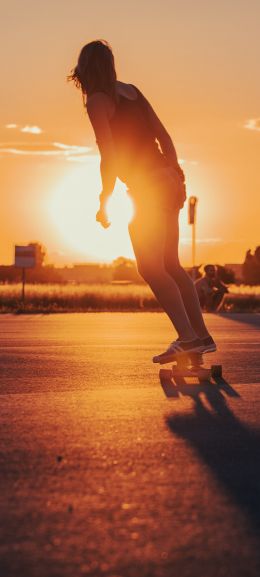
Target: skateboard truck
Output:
[(191, 366)]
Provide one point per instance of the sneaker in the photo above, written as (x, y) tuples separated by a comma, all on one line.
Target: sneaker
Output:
[(178, 348), (209, 346)]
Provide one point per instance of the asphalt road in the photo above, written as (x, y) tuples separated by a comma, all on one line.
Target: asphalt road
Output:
[(102, 474)]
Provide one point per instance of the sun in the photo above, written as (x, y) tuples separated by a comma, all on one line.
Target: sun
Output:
[(72, 208)]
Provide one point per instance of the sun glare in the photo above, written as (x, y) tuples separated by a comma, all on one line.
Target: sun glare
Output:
[(72, 208)]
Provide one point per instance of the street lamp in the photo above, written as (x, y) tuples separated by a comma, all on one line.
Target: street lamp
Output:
[(192, 220)]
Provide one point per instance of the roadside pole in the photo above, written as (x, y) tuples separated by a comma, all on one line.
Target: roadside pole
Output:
[(23, 285), (24, 257), (192, 220)]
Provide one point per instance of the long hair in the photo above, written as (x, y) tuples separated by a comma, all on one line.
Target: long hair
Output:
[(95, 70)]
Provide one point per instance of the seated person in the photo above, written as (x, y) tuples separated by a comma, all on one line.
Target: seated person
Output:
[(210, 289)]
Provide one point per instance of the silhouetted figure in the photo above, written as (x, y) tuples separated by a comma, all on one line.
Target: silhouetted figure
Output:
[(210, 289), (127, 133)]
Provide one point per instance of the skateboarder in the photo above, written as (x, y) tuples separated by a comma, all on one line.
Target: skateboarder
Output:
[(127, 132)]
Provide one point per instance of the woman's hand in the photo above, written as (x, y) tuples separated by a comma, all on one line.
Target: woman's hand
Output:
[(181, 195), (101, 216)]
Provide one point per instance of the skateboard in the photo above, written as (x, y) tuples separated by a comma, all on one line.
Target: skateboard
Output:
[(191, 366)]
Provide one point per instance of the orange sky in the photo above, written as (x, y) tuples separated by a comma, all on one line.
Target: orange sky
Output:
[(197, 63)]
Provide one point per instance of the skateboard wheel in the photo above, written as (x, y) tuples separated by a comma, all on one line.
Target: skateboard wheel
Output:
[(216, 371), (165, 374)]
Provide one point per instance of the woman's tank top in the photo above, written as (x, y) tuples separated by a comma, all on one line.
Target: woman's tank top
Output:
[(137, 151)]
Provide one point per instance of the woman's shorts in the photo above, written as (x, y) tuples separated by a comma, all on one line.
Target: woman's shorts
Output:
[(163, 188)]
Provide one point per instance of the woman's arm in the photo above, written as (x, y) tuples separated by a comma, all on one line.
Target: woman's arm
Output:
[(97, 108), (163, 138)]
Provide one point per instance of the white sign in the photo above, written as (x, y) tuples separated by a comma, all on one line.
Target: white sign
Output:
[(25, 256)]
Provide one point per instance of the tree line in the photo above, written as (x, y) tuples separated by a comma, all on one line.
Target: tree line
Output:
[(120, 270)]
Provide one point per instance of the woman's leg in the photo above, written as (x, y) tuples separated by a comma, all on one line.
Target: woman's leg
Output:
[(183, 280), (148, 235)]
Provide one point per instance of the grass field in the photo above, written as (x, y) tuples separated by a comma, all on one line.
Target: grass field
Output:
[(44, 298), (83, 297)]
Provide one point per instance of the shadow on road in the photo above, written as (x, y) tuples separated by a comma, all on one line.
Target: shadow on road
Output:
[(228, 447), (251, 319)]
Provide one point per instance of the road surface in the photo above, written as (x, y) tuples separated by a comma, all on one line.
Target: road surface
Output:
[(102, 474)]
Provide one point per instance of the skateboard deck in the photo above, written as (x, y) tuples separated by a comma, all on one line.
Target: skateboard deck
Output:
[(191, 365)]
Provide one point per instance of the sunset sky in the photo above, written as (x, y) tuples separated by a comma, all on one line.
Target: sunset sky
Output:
[(197, 62)]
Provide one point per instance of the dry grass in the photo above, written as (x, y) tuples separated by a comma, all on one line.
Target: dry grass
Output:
[(84, 297), (244, 289), (44, 298), (242, 298)]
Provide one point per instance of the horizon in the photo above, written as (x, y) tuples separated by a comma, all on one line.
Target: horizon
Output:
[(49, 161), (63, 263)]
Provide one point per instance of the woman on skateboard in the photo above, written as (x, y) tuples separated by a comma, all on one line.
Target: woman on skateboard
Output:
[(126, 129)]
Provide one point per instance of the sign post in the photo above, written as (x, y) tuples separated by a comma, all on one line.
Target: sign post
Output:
[(25, 257), (23, 284), (192, 220)]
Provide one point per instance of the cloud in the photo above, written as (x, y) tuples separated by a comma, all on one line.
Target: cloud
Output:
[(82, 158), (253, 124), (187, 240), (53, 149), (31, 129), (183, 161), (73, 152), (66, 146)]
